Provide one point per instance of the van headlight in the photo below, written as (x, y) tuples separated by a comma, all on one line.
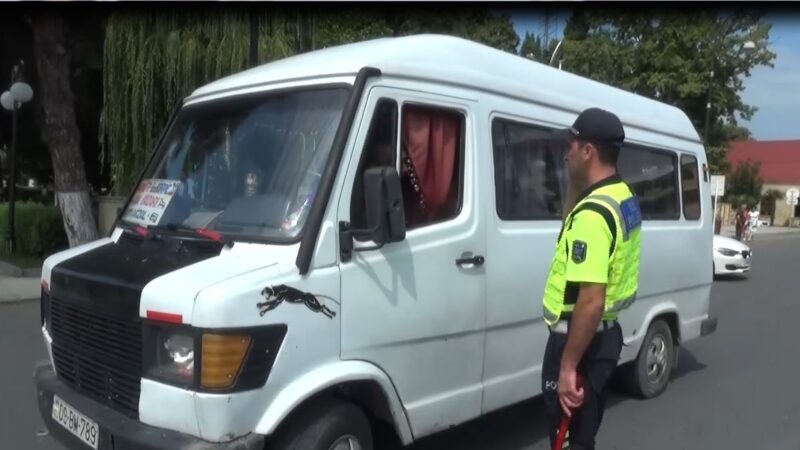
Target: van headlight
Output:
[(727, 252), (210, 360), (170, 355)]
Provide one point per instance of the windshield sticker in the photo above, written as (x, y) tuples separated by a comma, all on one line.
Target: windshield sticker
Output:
[(151, 199)]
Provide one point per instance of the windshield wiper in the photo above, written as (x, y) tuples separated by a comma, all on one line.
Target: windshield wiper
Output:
[(209, 235), (133, 228)]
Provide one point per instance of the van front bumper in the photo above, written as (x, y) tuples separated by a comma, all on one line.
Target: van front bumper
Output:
[(118, 431), (708, 326)]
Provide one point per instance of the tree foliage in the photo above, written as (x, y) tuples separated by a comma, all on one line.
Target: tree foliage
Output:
[(475, 23), (533, 47), (666, 54), (744, 185), (153, 59)]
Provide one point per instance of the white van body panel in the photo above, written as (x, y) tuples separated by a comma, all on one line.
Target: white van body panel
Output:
[(311, 340), (170, 407), (410, 309), (454, 61), (270, 85), (175, 292), (326, 376)]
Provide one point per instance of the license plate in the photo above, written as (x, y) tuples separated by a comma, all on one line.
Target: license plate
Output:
[(78, 424)]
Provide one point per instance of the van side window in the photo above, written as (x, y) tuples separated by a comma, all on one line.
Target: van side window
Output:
[(379, 150), (690, 187), (529, 172), (653, 176), (431, 164)]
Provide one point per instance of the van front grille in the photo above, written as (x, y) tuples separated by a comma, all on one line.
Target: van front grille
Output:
[(97, 354)]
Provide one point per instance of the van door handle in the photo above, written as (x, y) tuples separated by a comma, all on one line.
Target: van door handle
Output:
[(476, 260)]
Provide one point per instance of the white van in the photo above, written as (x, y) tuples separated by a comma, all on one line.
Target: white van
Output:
[(353, 238)]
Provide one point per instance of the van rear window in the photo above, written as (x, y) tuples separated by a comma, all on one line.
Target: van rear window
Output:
[(653, 176), (529, 172), (690, 187)]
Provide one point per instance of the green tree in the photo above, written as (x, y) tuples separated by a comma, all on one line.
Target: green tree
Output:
[(768, 203), (474, 23), (666, 54), (60, 129), (744, 185), (334, 29), (152, 59), (532, 47)]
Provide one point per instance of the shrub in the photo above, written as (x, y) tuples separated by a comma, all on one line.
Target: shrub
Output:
[(39, 229)]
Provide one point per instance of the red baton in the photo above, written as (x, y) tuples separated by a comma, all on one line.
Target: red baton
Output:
[(564, 426)]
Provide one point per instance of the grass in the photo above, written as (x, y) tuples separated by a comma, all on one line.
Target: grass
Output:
[(22, 261)]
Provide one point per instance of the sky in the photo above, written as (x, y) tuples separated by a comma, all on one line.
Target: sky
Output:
[(774, 91)]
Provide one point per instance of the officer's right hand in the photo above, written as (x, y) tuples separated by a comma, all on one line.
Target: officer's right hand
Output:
[(570, 391)]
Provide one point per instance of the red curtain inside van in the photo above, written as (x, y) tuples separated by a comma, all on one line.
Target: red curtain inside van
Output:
[(430, 139)]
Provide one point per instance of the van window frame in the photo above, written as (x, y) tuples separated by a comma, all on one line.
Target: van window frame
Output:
[(700, 196), (158, 150), (539, 128), (675, 178), (462, 152)]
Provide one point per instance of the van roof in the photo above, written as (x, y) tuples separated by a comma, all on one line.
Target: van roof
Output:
[(453, 60)]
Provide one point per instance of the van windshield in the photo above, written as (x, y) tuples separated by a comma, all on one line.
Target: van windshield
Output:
[(246, 166)]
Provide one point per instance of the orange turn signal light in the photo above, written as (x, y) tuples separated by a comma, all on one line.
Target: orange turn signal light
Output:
[(222, 360)]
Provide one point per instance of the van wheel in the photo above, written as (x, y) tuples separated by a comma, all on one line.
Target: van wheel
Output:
[(328, 424), (649, 374)]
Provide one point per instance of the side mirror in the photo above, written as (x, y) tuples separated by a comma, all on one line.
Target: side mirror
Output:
[(384, 205), (386, 222)]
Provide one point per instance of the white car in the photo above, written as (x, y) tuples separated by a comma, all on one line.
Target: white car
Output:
[(731, 257)]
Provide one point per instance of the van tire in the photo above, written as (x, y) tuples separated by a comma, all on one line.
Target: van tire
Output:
[(320, 424), (649, 374)]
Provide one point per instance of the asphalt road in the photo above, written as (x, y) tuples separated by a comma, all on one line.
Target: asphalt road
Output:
[(736, 389)]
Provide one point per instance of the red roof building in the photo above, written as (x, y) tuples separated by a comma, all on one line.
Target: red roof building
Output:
[(780, 170), (780, 160)]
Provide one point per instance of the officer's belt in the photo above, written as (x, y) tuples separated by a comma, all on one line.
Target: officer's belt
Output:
[(562, 326)]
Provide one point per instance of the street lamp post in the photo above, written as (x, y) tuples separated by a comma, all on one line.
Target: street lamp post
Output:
[(555, 52), (19, 93)]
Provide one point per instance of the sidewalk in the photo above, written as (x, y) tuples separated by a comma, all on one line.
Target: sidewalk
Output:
[(730, 231), (18, 289), (17, 284)]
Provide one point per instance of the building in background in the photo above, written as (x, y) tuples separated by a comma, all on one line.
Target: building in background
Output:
[(780, 170)]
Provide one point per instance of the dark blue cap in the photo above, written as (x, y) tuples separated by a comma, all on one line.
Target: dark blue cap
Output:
[(596, 125)]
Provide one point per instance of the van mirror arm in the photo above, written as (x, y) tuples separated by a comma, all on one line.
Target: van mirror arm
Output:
[(346, 236)]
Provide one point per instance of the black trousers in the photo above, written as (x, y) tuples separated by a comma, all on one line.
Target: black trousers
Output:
[(596, 366)]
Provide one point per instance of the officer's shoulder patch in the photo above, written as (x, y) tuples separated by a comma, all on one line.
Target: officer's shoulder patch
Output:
[(631, 213), (579, 249)]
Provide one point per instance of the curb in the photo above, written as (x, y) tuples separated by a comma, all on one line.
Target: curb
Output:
[(32, 273), (16, 301), (10, 270)]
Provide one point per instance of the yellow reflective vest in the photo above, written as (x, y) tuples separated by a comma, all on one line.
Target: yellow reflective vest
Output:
[(599, 243)]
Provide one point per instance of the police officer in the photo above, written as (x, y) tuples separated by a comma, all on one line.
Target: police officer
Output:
[(594, 275)]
